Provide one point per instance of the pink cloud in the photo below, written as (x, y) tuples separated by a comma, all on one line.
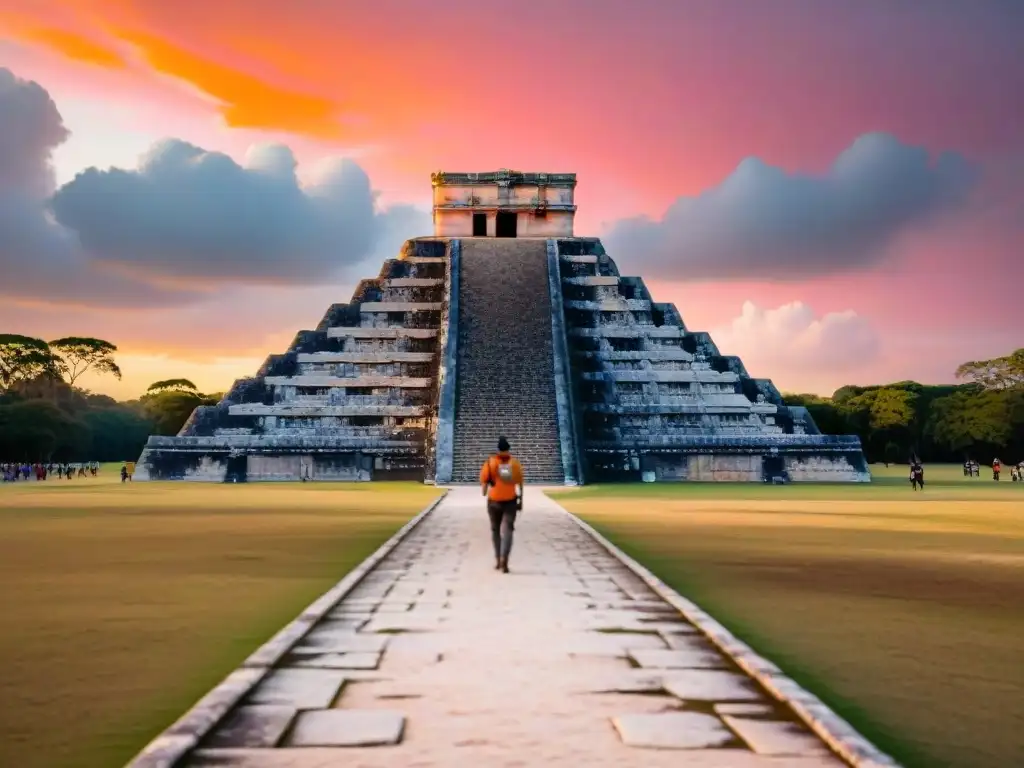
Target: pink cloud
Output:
[(793, 346)]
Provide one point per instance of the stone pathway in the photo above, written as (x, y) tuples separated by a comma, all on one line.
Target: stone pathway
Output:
[(436, 659)]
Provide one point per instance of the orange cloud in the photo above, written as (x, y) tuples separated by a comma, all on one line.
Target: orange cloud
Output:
[(246, 101), (73, 46)]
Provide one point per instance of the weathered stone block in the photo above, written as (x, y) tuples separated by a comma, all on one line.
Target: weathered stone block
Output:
[(775, 738), (347, 728), (672, 730), (257, 725), (299, 688)]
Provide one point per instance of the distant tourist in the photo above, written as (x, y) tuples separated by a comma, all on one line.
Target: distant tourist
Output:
[(997, 467), (1014, 473), (500, 477), (967, 468), (916, 475), (124, 471)]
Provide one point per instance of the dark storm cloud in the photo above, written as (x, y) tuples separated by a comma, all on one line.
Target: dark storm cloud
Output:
[(762, 222), (39, 259), (30, 127), (178, 227), (187, 212)]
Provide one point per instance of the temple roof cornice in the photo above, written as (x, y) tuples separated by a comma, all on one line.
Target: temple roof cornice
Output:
[(502, 177)]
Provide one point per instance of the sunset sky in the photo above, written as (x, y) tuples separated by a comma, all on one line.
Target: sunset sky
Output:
[(833, 188)]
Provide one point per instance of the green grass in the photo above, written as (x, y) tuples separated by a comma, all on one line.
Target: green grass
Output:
[(123, 604), (901, 610)]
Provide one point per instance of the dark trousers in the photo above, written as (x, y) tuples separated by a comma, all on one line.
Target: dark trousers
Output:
[(503, 524)]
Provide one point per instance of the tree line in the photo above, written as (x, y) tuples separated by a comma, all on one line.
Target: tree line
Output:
[(46, 416), (981, 418)]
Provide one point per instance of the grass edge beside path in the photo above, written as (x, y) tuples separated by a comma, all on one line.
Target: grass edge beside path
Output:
[(898, 610), (135, 602), (858, 718)]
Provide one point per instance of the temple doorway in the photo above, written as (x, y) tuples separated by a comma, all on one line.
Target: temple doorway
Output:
[(773, 468), (237, 469), (479, 225), (505, 224)]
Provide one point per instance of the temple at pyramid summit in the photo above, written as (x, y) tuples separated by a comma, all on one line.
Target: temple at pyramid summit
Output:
[(504, 322)]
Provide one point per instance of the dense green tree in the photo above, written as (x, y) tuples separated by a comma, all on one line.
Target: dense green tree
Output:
[(169, 409), (23, 358), (999, 373), (118, 432), (37, 430), (45, 418), (77, 354), (880, 416), (971, 422), (826, 414), (893, 454), (172, 384)]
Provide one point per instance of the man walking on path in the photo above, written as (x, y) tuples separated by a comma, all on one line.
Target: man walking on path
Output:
[(499, 477)]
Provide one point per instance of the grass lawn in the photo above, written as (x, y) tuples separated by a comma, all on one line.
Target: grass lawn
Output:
[(122, 605), (903, 611)]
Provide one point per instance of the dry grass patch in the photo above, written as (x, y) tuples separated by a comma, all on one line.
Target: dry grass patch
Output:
[(123, 604), (902, 611)]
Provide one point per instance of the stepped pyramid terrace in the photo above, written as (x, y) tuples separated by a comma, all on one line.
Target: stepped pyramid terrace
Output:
[(503, 322)]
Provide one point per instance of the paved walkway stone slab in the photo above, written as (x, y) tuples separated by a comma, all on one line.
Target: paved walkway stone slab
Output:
[(673, 730), (299, 688), (257, 725), (776, 738), (339, 661), (743, 709), (347, 728), (710, 685), (342, 642), (694, 657), (532, 668)]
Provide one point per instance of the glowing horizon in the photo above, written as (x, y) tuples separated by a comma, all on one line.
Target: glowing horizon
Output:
[(829, 194)]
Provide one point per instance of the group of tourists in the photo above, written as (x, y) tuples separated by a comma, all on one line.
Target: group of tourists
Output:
[(971, 469), (11, 472), (39, 471)]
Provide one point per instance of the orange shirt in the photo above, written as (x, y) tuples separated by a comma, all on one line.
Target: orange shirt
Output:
[(500, 490)]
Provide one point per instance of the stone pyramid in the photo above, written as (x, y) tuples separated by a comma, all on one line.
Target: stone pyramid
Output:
[(503, 323)]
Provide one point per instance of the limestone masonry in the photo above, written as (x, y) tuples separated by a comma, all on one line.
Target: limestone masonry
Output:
[(503, 322)]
